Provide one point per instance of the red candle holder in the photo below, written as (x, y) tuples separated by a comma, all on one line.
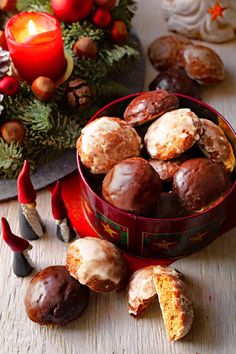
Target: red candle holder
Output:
[(35, 43)]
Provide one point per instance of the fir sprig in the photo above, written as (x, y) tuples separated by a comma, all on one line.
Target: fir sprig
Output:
[(36, 5), (11, 159), (111, 89), (38, 115), (118, 57)]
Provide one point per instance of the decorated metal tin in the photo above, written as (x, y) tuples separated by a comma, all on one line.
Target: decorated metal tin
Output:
[(159, 238)]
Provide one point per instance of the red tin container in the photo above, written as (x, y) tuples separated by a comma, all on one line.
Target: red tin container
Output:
[(159, 238)]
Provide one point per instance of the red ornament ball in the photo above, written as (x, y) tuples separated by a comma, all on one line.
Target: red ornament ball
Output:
[(101, 18), (119, 31), (105, 4), (9, 85), (71, 10)]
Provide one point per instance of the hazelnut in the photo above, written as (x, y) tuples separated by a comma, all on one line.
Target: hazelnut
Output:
[(12, 131), (96, 263), (85, 47), (43, 88)]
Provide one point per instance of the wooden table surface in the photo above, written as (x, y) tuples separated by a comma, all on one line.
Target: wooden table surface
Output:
[(106, 327)]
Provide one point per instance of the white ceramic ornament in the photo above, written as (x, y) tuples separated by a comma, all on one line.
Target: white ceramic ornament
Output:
[(209, 20)]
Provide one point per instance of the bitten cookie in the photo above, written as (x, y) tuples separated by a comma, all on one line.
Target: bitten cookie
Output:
[(175, 302), (96, 263), (150, 105), (106, 141), (172, 134), (141, 290), (215, 145)]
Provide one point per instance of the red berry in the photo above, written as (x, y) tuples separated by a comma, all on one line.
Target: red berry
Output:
[(105, 4), (9, 85), (119, 31), (101, 18), (3, 42), (71, 10)]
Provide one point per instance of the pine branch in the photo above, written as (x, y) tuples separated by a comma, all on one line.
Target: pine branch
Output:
[(116, 59), (125, 11), (110, 89), (92, 70), (11, 159), (71, 33), (36, 5), (63, 135), (38, 115)]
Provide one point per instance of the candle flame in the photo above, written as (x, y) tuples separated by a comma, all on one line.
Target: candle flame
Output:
[(32, 29)]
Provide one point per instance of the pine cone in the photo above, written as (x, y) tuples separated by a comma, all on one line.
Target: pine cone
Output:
[(5, 62), (79, 94)]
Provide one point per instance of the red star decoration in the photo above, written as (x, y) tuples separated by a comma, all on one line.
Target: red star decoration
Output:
[(199, 237), (162, 244), (216, 11)]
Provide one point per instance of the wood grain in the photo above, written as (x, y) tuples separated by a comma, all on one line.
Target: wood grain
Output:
[(105, 327)]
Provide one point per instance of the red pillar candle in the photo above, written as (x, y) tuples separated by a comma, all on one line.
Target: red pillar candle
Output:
[(35, 43)]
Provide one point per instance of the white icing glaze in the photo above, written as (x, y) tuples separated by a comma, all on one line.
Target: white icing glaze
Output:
[(99, 126), (93, 254), (107, 141), (65, 230), (32, 217), (171, 130), (191, 18)]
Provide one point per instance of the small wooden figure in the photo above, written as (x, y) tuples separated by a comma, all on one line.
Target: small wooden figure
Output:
[(65, 231), (21, 263), (31, 226)]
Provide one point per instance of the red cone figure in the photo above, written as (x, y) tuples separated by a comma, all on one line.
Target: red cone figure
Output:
[(31, 226), (65, 231), (21, 263)]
